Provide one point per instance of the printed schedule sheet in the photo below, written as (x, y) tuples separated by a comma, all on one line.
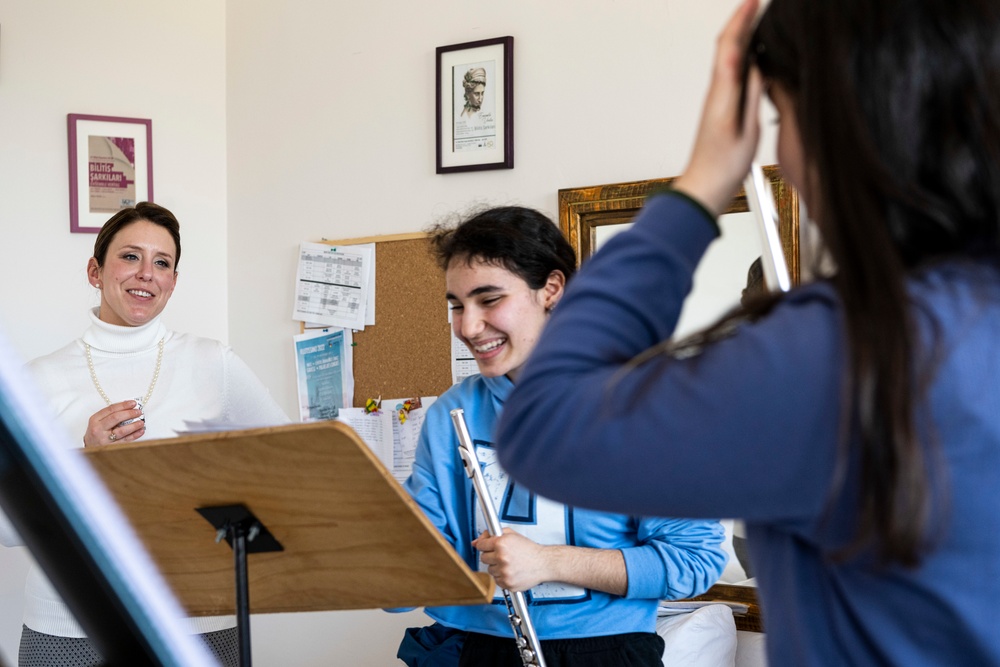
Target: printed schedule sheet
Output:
[(333, 284)]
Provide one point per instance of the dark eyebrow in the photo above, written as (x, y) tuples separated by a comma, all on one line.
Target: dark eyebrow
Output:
[(158, 253), (485, 289)]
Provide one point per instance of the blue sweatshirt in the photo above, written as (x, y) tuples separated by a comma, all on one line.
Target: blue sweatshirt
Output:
[(749, 427), (664, 558)]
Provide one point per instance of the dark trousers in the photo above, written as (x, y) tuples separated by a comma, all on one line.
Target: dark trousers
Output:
[(634, 649), (431, 646)]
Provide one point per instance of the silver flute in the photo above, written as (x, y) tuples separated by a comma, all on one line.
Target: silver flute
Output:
[(517, 607)]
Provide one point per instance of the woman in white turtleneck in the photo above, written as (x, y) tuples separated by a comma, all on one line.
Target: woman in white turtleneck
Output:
[(126, 378)]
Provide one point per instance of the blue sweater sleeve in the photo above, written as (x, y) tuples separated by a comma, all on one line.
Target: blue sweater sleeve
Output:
[(675, 558), (747, 427)]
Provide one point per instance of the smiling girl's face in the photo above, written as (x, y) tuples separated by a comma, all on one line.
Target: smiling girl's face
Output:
[(496, 314), (138, 275)]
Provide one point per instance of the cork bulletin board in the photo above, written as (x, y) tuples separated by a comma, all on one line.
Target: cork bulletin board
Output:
[(408, 351)]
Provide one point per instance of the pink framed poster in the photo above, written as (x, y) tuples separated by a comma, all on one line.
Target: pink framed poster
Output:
[(110, 167)]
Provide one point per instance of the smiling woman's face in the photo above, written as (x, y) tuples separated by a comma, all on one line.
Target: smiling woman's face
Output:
[(138, 275)]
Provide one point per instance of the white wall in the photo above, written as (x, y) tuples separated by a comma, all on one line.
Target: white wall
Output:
[(331, 124), (164, 61), (160, 60), (276, 123)]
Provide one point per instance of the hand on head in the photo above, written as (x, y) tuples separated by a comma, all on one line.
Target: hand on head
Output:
[(724, 147)]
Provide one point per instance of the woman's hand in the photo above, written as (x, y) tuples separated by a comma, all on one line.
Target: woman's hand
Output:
[(103, 427), (515, 562), (724, 148)]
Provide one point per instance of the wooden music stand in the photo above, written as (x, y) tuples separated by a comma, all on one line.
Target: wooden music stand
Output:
[(352, 538)]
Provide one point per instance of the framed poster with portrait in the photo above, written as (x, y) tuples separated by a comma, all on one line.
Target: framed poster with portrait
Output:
[(110, 167), (475, 105)]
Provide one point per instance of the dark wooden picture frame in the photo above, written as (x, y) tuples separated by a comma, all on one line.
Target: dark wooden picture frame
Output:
[(475, 105)]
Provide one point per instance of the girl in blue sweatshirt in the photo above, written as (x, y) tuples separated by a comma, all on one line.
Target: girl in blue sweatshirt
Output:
[(592, 579)]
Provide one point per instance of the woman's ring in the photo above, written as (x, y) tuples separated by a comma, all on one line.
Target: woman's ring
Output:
[(114, 436)]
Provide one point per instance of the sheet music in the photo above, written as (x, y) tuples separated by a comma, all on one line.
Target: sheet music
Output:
[(332, 284), (674, 607), (192, 427)]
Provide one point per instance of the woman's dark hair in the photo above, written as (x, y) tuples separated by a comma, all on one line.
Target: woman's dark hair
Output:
[(898, 108), (521, 240), (144, 210)]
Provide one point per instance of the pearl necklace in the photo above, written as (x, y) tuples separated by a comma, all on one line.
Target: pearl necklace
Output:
[(100, 390)]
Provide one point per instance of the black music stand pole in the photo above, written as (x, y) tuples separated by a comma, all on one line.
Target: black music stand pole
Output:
[(245, 534)]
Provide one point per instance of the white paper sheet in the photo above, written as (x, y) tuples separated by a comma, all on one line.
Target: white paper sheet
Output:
[(333, 285), (405, 437), (463, 364), (394, 441), (375, 429), (192, 427)]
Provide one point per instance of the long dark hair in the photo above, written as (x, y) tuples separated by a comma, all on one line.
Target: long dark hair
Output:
[(898, 108)]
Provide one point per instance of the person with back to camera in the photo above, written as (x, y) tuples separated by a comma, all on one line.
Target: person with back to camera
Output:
[(129, 377), (855, 420), (592, 579)]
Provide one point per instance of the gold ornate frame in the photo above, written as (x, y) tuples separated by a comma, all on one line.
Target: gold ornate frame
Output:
[(583, 210)]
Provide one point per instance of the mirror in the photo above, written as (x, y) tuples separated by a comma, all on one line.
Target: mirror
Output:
[(589, 216)]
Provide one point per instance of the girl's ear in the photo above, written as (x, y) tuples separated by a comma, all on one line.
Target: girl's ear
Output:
[(553, 289), (93, 272)]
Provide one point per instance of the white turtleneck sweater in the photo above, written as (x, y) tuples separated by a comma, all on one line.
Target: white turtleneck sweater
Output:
[(199, 379)]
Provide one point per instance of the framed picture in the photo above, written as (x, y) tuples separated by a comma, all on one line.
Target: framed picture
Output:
[(110, 167), (475, 106)]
